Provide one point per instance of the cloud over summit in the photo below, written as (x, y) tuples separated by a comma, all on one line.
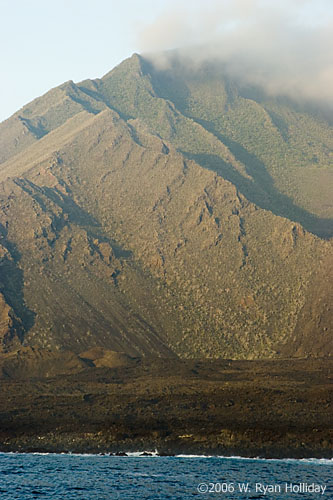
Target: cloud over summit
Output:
[(285, 47)]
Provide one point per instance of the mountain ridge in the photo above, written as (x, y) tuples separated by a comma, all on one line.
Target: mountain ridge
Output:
[(147, 221)]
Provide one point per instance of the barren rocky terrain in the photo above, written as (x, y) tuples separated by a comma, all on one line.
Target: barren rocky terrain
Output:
[(106, 402)]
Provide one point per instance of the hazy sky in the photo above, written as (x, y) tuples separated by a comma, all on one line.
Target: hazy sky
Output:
[(45, 42)]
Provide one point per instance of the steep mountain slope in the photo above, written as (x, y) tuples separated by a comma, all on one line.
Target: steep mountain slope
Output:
[(142, 213), (67, 273), (278, 156)]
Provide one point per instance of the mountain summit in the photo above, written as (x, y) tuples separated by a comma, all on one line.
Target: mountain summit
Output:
[(166, 212)]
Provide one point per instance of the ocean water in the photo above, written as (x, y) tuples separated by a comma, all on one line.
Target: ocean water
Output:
[(99, 477)]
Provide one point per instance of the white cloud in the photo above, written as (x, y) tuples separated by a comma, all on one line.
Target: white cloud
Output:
[(285, 46)]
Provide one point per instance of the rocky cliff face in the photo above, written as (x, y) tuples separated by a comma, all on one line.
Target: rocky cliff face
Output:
[(146, 220)]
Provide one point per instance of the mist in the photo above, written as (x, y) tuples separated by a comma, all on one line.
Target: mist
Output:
[(284, 47)]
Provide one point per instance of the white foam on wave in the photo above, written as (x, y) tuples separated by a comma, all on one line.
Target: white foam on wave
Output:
[(327, 461), (195, 456), (147, 453), (324, 461), (155, 453)]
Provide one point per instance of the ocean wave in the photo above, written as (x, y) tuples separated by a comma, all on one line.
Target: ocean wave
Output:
[(155, 454)]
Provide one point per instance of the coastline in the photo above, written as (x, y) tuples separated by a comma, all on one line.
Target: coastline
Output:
[(156, 454), (263, 447), (269, 409), (268, 454)]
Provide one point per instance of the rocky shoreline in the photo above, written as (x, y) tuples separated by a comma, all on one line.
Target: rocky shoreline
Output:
[(78, 445), (268, 409)]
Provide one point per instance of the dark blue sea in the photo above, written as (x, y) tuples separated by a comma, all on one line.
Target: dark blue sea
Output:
[(99, 477)]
